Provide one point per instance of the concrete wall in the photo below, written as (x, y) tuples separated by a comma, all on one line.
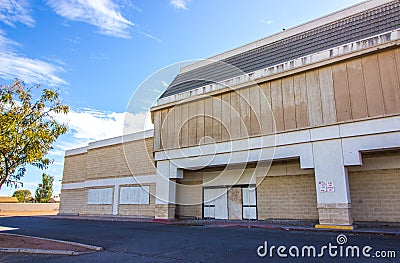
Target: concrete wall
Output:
[(104, 165), (28, 207)]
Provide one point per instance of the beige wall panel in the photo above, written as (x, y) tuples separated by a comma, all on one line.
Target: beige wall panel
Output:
[(255, 114), (177, 124), (289, 108), (287, 197), (314, 99), (164, 128), (375, 195), (244, 112), (355, 79), (397, 61), (171, 127), (217, 114), (157, 130), (189, 196), (267, 118), (192, 123), (184, 132), (341, 90), (373, 88), (327, 95), (300, 95), (200, 121), (235, 115), (390, 83), (75, 168), (208, 122), (226, 116), (277, 104)]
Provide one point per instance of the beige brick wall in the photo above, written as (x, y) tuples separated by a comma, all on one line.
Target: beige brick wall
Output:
[(73, 201), (74, 168), (189, 197), (140, 156), (104, 210), (139, 210), (287, 197), (107, 162), (375, 195)]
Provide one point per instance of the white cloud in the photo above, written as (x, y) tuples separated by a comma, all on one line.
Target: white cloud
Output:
[(180, 4), (15, 65), (266, 21), (92, 125), (104, 14), (16, 11)]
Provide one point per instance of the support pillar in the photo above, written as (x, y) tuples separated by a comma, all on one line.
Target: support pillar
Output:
[(167, 174), (332, 185)]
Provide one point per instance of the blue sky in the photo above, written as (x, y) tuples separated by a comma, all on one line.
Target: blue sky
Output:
[(97, 52)]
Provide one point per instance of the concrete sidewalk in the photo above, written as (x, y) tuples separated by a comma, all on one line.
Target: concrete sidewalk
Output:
[(363, 228)]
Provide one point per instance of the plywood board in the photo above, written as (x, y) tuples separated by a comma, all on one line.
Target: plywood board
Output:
[(255, 115), (277, 104), (177, 124), (373, 88), (184, 132), (164, 129), (171, 127), (235, 203), (314, 99), (358, 100), (235, 115), (289, 109), (327, 95), (200, 122), (390, 83), (192, 123), (208, 123), (300, 98), (226, 116), (267, 118), (217, 115), (157, 130), (341, 91), (244, 112)]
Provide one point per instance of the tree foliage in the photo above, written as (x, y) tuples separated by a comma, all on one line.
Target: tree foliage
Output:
[(23, 196), (45, 189), (28, 128)]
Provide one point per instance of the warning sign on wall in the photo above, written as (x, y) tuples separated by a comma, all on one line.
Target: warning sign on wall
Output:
[(326, 186)]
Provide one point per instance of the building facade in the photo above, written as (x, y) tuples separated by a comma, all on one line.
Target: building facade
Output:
[(300, 125)]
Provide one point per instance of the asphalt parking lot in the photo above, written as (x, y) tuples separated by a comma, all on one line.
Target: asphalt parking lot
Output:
[(153, 242)]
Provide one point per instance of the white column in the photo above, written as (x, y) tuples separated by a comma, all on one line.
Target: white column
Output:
[(333, 194), (115, 200), (165, 188)]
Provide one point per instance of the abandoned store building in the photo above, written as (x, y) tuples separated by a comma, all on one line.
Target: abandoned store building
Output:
[(300, 125)]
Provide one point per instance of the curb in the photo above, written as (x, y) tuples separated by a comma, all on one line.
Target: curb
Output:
[(49, 251), (42, 251), (310, 229), (237, 225)]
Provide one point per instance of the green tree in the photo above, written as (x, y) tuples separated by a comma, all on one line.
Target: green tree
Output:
[(28, 128), (23, 196), (45, 189)]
